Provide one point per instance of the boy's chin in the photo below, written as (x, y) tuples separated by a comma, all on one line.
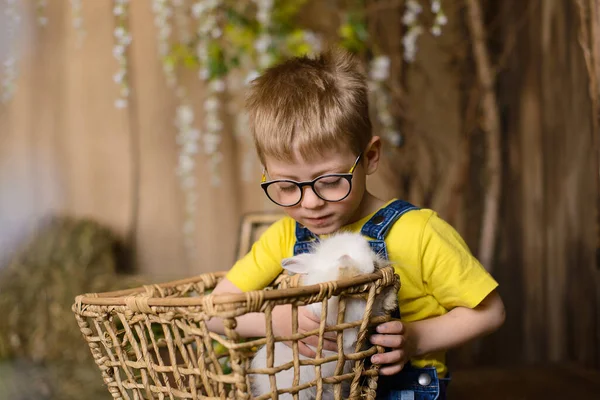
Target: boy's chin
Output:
[(324, 229)]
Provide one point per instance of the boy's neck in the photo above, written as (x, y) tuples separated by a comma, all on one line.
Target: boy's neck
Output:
[(368, 205)]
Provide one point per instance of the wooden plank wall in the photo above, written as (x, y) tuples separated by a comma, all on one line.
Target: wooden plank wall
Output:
[(546, 262)]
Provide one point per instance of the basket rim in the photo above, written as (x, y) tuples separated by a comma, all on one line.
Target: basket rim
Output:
[(119, 297)]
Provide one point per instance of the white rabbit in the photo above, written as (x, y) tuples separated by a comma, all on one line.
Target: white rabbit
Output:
[(340, 256)]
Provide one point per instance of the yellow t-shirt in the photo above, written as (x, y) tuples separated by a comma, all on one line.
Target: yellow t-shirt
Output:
[(437, 271)]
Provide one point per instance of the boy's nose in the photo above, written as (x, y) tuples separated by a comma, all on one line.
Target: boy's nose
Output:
[(310, 199)]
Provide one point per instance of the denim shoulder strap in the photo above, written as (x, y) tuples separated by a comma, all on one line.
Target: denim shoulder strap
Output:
[(305, 239), (378, 226)]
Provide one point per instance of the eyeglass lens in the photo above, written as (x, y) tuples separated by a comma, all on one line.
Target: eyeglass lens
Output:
[(327, 187)]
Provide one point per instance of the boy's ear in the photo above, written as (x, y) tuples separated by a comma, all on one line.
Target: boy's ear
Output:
[(299, 264), (372, 155)]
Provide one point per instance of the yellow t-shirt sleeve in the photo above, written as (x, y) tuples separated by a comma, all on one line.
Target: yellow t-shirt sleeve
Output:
[(262, 264), (450, 272)]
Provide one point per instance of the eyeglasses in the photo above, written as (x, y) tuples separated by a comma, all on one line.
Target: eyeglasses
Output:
[(330, 187)]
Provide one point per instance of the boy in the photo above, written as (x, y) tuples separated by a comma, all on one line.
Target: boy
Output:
[(310, 122)]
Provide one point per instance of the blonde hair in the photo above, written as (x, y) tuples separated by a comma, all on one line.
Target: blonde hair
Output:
[(309, 105)]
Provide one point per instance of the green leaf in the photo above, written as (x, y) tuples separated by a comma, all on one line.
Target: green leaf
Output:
[(216, 61)]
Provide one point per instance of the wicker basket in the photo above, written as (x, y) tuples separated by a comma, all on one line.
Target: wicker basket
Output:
[(152, 342)]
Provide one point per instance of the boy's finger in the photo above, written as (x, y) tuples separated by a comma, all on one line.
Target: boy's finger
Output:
[(308, 314), (305, 350), (330, 345), (391, 327), (390, 357), (390, 341), (314, 341)]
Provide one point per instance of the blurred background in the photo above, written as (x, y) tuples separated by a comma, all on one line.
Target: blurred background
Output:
[(125, 159)]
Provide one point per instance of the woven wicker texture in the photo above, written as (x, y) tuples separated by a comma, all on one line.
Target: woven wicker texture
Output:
[(153, 342)]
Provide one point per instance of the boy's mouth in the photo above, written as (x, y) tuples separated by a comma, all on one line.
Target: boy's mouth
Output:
[(318, 220)]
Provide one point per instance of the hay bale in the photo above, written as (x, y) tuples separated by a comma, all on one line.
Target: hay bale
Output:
[(65, 258)]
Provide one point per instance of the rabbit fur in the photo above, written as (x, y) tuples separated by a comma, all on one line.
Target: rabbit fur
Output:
[(339, 256)]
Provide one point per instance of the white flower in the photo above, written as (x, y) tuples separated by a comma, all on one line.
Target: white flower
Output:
[(252, 75), (216, 33), (121, 103), (120, 32), (409, 18), (441, 19), (190, 147), (380, 68), (165, 31), (185, 115), (218, 85), (265, 60), (204, 73), (211, 104), (189, 227), (43, 21), (436, 30), (262, 43), (395, 138), (118, 10), (435, 6), (265, 3), (193, 135), (202, 51), (197, 9), (77, 22), (213, 124), (313, 40), (118, 77), (414, 6), (208, 23), (263, 17), (118, 51), (186, 163), (410, 43), (211, 142), (385, 117)]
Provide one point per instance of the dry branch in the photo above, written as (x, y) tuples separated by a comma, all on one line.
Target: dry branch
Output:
[(491, 126), (589, 28)]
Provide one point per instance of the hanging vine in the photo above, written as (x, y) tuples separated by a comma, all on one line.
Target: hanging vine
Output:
[(9, 78), (77, 21), (40, 8), (122, 42)]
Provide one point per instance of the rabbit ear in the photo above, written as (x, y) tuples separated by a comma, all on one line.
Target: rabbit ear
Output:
[(298, 264)]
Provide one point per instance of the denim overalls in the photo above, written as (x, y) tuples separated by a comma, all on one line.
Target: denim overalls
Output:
[(411, 383)]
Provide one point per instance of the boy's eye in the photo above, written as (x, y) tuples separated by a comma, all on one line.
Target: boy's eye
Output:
[(285, 186), (329, 181)]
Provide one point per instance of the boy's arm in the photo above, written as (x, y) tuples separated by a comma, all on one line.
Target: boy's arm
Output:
[(248, 325), (253, 324), (457, 327)]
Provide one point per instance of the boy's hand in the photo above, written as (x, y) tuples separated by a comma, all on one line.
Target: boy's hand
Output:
[(396, 336), (307, 321)]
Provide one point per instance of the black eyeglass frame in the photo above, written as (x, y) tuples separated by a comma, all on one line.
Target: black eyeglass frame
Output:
[(348, 176)]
